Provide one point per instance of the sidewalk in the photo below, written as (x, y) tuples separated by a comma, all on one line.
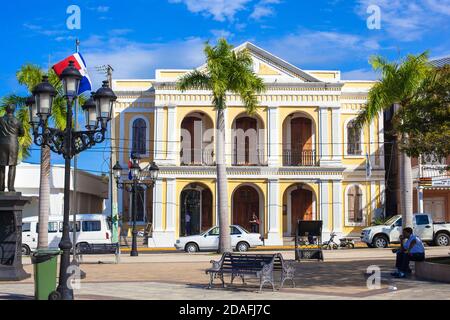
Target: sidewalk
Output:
[(182, 276)]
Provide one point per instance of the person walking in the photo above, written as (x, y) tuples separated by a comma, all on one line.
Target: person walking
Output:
[(411, 250), (254, 223), (123, 233), (187, 224)]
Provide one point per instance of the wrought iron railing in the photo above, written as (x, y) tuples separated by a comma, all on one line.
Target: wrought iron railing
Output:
[(249, 157), (196, 157), (300, 158)]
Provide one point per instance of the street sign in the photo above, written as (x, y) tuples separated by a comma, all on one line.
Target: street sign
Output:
[(440, 182)]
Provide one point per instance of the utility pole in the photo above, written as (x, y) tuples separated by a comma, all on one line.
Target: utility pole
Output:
[(108, 70)]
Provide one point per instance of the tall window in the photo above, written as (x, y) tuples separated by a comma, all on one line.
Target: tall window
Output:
[(353, 139), (139, 136), (355, 204)]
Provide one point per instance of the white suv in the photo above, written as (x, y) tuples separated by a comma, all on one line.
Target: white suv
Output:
[(241, 240)]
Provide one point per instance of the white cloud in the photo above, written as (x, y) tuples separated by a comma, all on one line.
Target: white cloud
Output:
[(409, 20), (219, 33), (220, 10), (100, 9), (52, 31), (315, 48), (359, 74), (139, 60), (264, 8)]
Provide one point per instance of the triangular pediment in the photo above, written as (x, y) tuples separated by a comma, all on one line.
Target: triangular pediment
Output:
[(272, 68)]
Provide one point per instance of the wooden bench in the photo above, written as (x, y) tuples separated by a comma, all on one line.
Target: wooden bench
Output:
[(261, 266), (97, 248)]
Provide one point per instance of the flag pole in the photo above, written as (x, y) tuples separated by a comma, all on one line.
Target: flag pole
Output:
[(75, 174)]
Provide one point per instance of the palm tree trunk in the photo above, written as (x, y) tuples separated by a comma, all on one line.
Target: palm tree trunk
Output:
[(406, 186), (44, 198), (222, 193)]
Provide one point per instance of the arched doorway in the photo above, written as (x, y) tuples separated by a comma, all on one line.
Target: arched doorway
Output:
[(300, 204), (246, 201), (195, 201), (248, 141), (197, 137), (298, 141)]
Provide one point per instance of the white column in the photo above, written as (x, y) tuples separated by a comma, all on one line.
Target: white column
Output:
[(172, 137), (228, 143), (380, 134), (336, 135), (383, 197), (323, 204), (337, 207), (162, 238), (324, 145), (373, 198), (420, 199), (157, 205), (171, 207), (159, 133), (274, 237), (273, 137)]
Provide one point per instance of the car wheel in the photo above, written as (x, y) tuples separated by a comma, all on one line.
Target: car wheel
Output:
[(191, 247), (380, 242), (442, 240), (25, 250), (242, 246)]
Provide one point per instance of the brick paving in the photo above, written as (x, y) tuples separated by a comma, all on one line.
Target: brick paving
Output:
[(181, 276)]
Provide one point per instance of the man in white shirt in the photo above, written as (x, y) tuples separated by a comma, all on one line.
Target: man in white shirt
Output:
[(411, 250)]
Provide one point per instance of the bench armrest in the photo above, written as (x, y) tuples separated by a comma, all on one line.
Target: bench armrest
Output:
[(216, 265)]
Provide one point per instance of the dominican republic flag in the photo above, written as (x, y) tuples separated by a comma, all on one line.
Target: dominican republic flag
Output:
[(80, 64), (130, 164), (368, 166)]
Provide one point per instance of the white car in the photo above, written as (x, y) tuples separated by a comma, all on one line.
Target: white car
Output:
[(381, 236), (241, 240), (91, 228)]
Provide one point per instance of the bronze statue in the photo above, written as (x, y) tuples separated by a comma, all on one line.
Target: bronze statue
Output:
[(10, 131)]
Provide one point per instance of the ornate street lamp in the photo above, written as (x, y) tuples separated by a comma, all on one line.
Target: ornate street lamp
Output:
[(67, 143), (140, 179)]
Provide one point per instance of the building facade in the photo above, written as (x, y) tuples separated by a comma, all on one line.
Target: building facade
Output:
[(92, 190), (298, 157)]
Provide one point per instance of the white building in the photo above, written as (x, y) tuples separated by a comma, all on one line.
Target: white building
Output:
[(92, 190)]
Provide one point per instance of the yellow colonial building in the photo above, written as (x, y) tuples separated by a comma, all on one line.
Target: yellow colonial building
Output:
[(298, 157)]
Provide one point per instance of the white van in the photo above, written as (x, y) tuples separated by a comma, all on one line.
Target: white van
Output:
[(91, 228)]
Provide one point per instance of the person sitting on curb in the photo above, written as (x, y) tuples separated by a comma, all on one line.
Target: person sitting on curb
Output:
[(411, 250)]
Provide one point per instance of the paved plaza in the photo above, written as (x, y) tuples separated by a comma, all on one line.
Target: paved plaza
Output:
[(177, 275)]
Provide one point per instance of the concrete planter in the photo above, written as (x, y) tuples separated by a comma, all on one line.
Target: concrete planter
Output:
[(434, 269)]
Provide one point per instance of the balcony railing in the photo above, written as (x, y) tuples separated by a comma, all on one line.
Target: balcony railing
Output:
[(299, 158), (196, 157), (248, 157)]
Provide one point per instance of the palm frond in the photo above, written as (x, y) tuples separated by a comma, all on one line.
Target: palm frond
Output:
[(194, 80)]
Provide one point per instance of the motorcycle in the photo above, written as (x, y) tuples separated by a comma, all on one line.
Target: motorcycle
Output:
[(343, 243)]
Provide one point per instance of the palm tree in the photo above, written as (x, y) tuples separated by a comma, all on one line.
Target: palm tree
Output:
[(227, 71), (399, 86), (30, 75)]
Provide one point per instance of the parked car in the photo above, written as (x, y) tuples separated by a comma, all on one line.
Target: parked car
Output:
[(241, 240), (430, 232), (90, 228)]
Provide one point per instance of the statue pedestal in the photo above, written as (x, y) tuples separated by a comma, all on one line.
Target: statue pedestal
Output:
[(11, 206)]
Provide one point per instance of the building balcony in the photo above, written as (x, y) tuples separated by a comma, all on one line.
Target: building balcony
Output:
[(299, 158), (196, 157), (247, 157)]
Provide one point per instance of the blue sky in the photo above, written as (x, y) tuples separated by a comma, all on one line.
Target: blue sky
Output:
[(138, 36)]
